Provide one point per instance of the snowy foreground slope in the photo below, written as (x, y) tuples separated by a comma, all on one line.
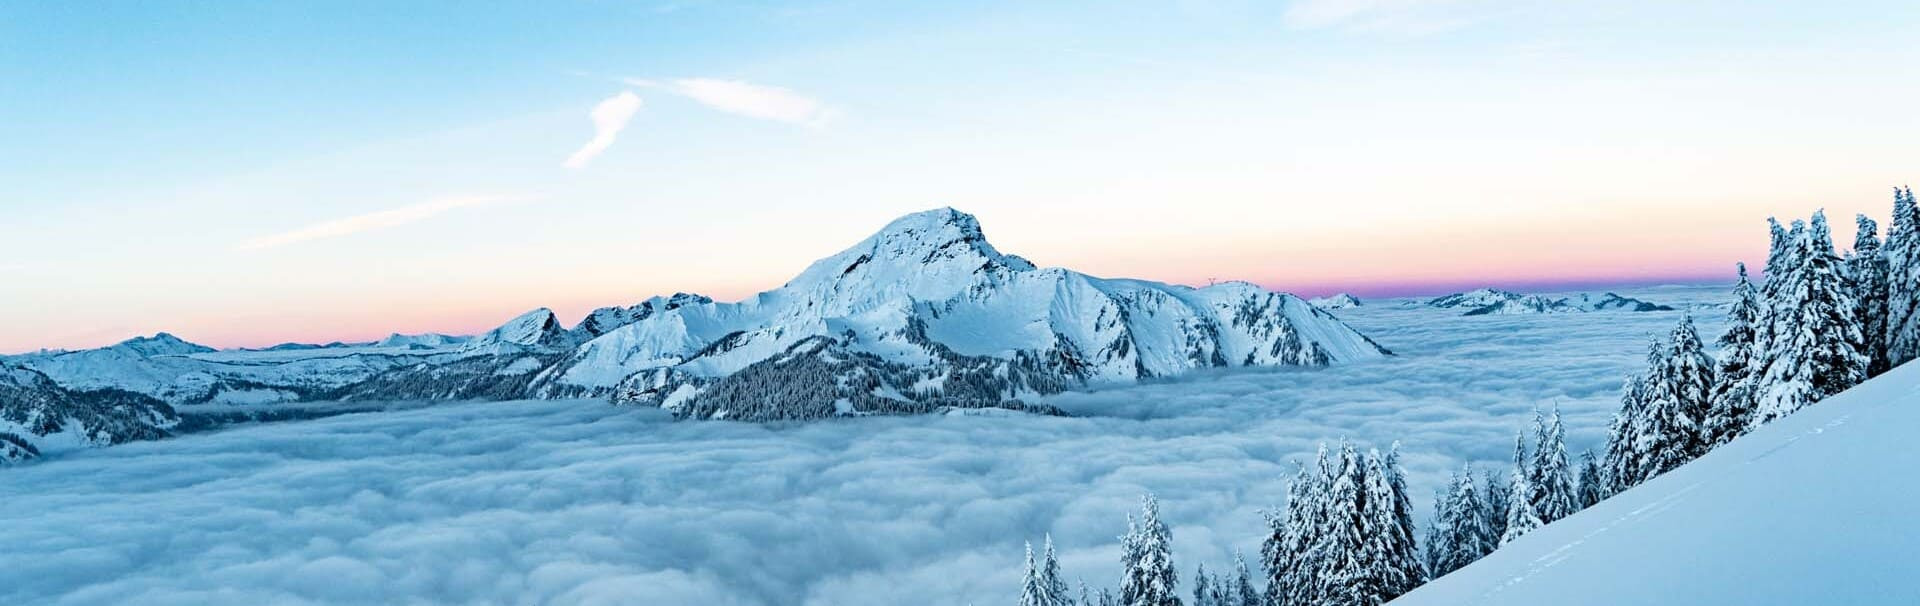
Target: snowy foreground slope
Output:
[(1816, 508)]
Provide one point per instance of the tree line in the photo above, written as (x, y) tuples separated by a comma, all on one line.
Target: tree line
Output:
[(1819, 323)]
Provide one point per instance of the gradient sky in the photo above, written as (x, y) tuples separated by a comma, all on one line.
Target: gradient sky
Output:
[(248, 174)]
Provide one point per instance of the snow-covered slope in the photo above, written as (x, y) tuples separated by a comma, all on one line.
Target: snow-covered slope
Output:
[(1816, 508), (38, 417), (928, 290), (1339, 301)]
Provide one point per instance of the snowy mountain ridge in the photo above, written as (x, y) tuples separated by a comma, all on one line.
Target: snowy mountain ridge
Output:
[(1339, 301), (927, 296), (1491, 301)]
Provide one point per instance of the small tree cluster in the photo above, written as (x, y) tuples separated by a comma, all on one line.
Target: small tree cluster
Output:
[(1346, 535)]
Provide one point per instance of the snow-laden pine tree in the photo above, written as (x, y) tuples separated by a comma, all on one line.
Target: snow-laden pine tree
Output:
[(1403, 552), (1202, 587), (1866, 273), (1493, 492), (1392, 556), (1242, 591), (1150, 579), (1463, 535), (1814, 351), (1291, 554), (1902, 253), (1678, 395), (1521, 518), (1032, 593), (1349, 572), (1624, 444), (1740, 352), (1550, 473), (1593, 482), (1053, 587), (1433, 548)]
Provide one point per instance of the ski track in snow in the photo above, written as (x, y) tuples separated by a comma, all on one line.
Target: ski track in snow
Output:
[(579, 502)]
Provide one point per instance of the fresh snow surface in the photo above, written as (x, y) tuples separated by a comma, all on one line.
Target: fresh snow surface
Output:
[(574, 502), (1816, 508)]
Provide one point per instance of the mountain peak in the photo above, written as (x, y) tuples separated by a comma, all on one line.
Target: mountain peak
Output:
[(930, 254), (163, 344), (535, 329), (928, 235)]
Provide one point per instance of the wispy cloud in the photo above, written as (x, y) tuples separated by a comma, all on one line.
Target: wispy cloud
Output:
[(745, 99), (609, 118), (371, 221), (1395, 16)]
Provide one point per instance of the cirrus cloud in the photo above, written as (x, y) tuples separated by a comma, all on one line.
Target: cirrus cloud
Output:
[(392, 217), (743, 98), (609, 117)]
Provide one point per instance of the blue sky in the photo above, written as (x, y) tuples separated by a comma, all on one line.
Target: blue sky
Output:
[(245, 175)]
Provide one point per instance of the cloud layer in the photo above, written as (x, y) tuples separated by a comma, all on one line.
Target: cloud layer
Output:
[(609, 117), (583, 503)]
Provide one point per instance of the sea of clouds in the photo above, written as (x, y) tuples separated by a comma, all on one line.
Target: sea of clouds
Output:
[(579, 502)]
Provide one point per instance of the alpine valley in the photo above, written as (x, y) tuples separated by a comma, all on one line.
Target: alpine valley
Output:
[(923, 316)]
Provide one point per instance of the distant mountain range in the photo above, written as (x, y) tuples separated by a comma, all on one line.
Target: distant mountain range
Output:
[(923, 316), (1488, 301), (1339, 301)]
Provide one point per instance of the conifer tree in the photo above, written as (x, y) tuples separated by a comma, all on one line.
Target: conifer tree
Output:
[(1732, 402), (1815, 349), (1624, 456), (1902, 254), (1403, 553), (1464, 535), (1550, 474), (1521, 519), (1435, 549), (1494, 491), (1348, 574), (1150, 579), (1032, 593), (1202, 590), (1866, 273), (1242, 593), (1679, 395), (1055, 588), (1592, 481)]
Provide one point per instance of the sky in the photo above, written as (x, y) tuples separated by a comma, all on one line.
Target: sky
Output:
[(318, 171)]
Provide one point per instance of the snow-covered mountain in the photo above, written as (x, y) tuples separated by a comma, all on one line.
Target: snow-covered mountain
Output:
[(535, 331), (926, 297), (1613, 302), (1489, 301), (1339, 301), (1815, 508), (37, 416), (928, 291)]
